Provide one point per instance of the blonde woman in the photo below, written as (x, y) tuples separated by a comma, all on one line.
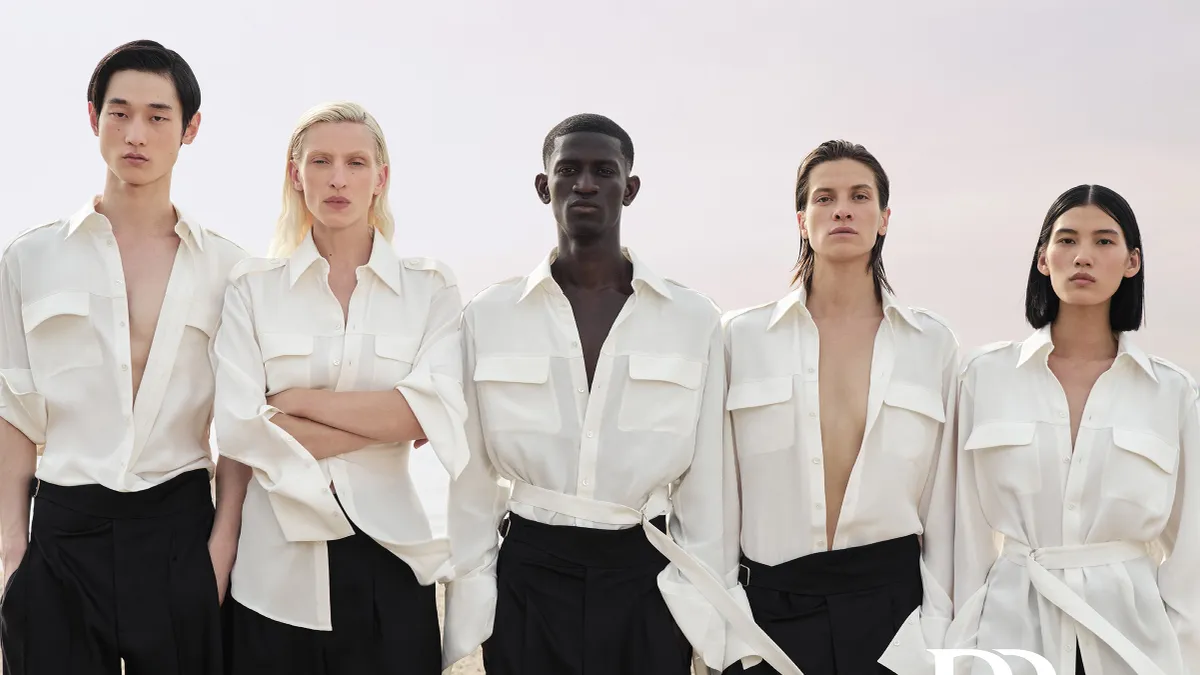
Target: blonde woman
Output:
[(331, 360)]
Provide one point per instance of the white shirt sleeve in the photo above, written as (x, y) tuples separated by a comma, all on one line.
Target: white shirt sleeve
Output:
[(706, 523), (1179, 575), (476, 505), (433, 388), (20, 403), (295, 484)]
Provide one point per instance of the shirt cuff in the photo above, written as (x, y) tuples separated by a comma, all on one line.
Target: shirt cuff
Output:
[(303, 504), (438, 404), (470, 613), (21, 405), (700, 622)]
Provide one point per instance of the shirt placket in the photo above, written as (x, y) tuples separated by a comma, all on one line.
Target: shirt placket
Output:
[(807, 344), (114, 272)]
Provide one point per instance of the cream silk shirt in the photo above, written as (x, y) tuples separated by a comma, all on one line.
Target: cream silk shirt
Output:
[(65, 379), (652, 424), (902, 482), (1051, 540), (282, 328)]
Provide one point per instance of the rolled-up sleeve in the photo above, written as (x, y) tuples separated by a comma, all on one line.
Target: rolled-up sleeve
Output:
[(434, 387), (20, 403), (476, 504), (706, 518), (295, 484)]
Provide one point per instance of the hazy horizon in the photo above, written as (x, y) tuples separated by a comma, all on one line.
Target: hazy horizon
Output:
[(981, 114)]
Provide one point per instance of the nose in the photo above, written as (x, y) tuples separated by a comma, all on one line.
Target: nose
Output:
[(337, 177), (842, 214), (135, 131), (586, 184), (1084, 257)]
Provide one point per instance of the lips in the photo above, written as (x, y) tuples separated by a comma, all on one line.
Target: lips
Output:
[(843, 229), (1082, 278)]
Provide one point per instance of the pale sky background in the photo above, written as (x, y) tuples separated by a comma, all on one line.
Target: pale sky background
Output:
[(982, 113)]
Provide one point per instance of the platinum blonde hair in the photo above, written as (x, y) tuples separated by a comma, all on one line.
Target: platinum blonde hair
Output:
[(295, 220)]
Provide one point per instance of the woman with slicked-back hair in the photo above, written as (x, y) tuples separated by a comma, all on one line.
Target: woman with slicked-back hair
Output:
[(1078, 526), (331, 361), (838, 395)]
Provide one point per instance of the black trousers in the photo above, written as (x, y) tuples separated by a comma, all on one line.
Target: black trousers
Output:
[(384, 623), (835, 612), (581, 601), (112, 576)]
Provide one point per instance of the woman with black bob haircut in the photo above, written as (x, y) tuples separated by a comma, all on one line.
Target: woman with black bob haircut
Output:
[(1075, 445)]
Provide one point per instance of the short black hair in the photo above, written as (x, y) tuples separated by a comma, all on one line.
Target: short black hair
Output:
[(828, 152), (147, 56), (588, 122), (1126, 308)]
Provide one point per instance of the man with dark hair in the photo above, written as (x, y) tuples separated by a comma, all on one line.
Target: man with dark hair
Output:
[(106, 318), (596, 389)]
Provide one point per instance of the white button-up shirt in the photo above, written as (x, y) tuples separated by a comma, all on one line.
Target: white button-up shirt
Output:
[(652, 420), (282, 328), (902, 482), (65, 378), (1131, 482)]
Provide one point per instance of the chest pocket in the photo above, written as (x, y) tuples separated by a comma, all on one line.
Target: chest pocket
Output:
[(394, 359), (515, 394), (912, 417), (286, 360), (662, 394), (59, 335), (764, 417), (204, 317), (1006, 455), (1141, 469)]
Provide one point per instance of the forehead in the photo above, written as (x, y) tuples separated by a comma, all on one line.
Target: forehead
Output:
[(586, 146), (141, 88), (1086, 219), (840, 173), (338, 137)]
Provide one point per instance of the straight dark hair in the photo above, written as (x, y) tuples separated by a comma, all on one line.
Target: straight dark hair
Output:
[(828, 152), (1125, 310), (147, 56)]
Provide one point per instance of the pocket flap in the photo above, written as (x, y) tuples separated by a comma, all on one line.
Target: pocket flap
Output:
[(395, 347), (204, 316), (916, 398), (63, 303), (998, 434), (524, 369), (759, 393), (274, 345), (1148, 445), (682, 372)]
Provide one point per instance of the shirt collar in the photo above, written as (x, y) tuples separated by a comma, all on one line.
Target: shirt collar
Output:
[(383, 261), (186, 227), (798, 298), (643, 276), (1041, 341)]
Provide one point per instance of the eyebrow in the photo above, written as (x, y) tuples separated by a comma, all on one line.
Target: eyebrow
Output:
[(1068, 230), (156, 106), (860, 186)]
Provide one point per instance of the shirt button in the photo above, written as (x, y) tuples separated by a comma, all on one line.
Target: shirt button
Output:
[(337, 362), (124, 366), (580, 390), (1066, 460), (1062, 414), (819, 506), (812, 370), (574, 344), (816, 460), (585, 482), (1070, 507), (821, 543), (590, 434), (120, 282), (122, 324), (812, 414)]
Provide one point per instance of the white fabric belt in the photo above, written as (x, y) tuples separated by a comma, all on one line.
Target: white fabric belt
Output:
[(1040, 560), (699, 576)]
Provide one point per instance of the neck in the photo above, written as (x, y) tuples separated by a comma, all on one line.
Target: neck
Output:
[(138, 209), (346, 248), (842, 289), (592, 264), (1083, 333)]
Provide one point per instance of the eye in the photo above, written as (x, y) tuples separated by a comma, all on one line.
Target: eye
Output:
[(565, 170), (158, 118), (822, 199), (1066, 240), (118, 115), (1106, 242), (358, 162), (861, 196), (319, 160), (607, 172)]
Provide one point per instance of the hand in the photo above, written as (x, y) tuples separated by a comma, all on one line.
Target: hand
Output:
[(223, 551)]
